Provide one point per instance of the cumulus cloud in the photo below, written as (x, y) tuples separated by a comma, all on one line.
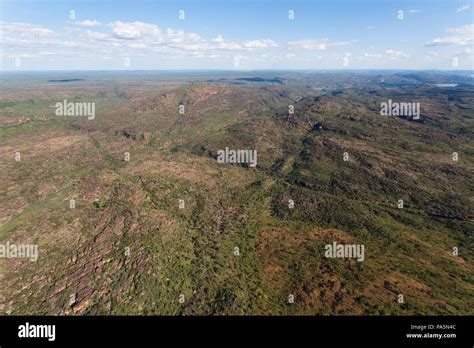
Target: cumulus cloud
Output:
[(221, 44), (134, 30), (256, 44), (152, 35), (23, 38), (25, 30), (219, 38), (462, 36), (315, 44), (87, 23), (309, 44), (392, 54), (121, 39)]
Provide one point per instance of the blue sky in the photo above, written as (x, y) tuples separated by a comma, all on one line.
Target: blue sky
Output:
[(230, 34)]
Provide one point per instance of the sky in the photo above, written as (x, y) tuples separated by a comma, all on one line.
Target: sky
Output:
[(241, 35)]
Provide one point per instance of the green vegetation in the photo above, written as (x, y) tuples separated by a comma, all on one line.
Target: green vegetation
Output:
[(236, 247)]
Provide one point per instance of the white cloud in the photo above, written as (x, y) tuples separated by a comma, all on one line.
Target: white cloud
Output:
[(315, 44), (219, 38), (95, 35), (27, 55), (25, 30), (152, 35), (309, 44), (388, 55), (257, 44), (464, 8), (228, 45), (465, 52), (415, 11), (463, 36), (392, 54), (134, 30), (87, 23), (370, 56), (121, 39), (467, 29)]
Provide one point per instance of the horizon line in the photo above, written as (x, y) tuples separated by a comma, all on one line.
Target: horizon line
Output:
[(234, 71)]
